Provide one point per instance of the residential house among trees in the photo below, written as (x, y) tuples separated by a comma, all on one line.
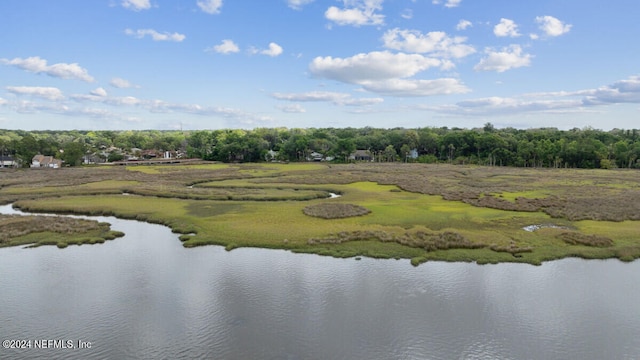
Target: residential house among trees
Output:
[(271, 155), (544, 147), (315, 156), (361, 155), (7, 161), (40, 161)]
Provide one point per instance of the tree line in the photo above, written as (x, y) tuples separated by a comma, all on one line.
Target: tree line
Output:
[(543, 147)]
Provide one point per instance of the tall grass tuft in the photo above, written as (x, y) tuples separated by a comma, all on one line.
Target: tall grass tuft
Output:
[(576, 238), (335, 210)]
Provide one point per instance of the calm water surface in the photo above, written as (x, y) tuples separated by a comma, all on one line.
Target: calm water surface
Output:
[(145, 296)]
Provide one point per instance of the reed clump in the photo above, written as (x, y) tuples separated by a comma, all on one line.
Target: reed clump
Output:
[(335, 210), (420, 239), (512, 248), (520, 203), (576, 238)]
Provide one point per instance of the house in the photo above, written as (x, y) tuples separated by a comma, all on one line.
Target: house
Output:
[(315, 156), (149, 154), (271, 155), (361, 155), (95, 158), (7, 161), (40, 161)]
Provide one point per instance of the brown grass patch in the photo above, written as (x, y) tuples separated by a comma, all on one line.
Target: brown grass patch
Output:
[(335, 210), (575, 238), (512, 248), (423, 240)]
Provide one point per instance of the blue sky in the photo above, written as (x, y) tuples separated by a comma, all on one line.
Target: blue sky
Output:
[(211, 64)]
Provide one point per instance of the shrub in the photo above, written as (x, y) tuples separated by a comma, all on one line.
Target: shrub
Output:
[(427, 159)]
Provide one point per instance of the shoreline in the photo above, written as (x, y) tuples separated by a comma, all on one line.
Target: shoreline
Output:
[(437, 256)]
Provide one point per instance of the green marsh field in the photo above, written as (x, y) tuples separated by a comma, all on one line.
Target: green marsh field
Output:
[(405, 211)]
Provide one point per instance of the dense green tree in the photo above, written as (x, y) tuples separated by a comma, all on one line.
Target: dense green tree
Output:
[(405, 150), (428, 141), (411, 139), (26, 149), (201, 145), (115, 156), (344, 147), (390, 153), (296, 148), (487, 145), (73, 153)]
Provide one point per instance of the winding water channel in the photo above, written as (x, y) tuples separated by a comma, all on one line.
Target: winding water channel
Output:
[(145, 296)]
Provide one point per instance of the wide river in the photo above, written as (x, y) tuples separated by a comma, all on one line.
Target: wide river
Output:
[(145, 296)]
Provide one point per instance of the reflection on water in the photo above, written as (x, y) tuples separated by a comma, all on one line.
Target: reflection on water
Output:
[(145, 296)]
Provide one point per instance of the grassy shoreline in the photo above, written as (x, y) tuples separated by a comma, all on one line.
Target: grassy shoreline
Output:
[(412, 211)]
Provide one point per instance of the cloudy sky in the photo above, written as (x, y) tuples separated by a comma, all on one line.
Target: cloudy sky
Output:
[(211, 64)]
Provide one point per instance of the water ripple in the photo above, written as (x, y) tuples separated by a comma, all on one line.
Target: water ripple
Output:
[(144, 296)]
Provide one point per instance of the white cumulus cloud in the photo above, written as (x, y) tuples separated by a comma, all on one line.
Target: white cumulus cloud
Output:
[(505, 28), (121, 83), (495, 106), (356, 13), (437, 43), (386, 73), (377, 65), (463, 24), (508, 58), (623, 91), (619, 92), (273, 50), (60, 70), (327, 96), (210, 6), (552, 26), (136, 5), (448, 3), (156, 36), (298, 4), (452, 3), (292, 108), (414, 87), (99, 92), (49, 93), (227, 47)]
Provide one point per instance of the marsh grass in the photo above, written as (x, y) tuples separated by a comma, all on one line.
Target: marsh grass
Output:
[(228, 193), (422, 212)]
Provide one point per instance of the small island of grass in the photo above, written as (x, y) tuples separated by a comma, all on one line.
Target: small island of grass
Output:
[(52, 230)]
